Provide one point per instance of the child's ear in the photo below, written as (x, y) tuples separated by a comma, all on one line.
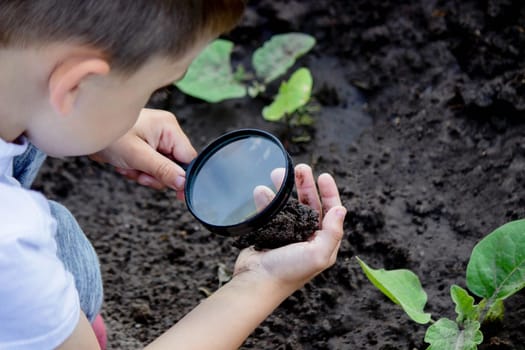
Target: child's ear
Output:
[(67, 76)]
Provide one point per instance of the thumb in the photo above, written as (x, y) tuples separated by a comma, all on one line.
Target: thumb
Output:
[(160, 167), (333, 222), (329, 237), (262, 196)]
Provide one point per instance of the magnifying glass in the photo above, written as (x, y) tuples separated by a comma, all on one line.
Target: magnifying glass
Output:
[(224, 181)]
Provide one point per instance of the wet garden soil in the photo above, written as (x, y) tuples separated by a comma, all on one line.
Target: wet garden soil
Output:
[(423, 126)]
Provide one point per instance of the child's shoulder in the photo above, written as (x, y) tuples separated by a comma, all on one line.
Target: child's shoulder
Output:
[(23, 214)]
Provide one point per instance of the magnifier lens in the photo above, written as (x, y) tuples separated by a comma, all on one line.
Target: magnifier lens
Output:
[(223, 188), (235, 182)]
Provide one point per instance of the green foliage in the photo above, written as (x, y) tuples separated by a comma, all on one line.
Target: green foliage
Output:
[(496, 270), (465, 307), (293, 94), (210, 77), (496, 311), (279, 53), (402, 287), (445, 334)]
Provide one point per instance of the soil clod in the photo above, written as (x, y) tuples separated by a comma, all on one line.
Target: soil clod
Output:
[(295, 223)]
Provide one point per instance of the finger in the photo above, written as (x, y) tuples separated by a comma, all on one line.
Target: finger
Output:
[(262, 196), (333, 223), (162, 169), (142, 178), (172, 140), (149, 181), (329, 238), (329, 192), (306, 189), (180, 195), (129, 173), (277, 176)]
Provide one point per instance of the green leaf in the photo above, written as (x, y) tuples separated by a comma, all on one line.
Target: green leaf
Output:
[(402, 287), (446, 335), (496, 311), (465, 307), (279, 53), (210, 75), (292, 95), (496, 269), (302, 119)]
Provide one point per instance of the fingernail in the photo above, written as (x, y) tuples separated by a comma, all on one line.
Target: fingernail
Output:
[(179, 182), (340, 212)]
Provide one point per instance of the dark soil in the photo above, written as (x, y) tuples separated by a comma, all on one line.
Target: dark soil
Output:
[(296, 222), (423, 126)]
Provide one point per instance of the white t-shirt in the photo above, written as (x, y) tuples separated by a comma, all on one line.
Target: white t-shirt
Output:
[(39, 306)]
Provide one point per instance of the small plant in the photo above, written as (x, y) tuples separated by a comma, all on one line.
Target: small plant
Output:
[(291, 103), (211, 77), (496, 270)]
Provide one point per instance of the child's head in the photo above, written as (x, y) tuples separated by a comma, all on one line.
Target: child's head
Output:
[(94, 63), (127, 32)]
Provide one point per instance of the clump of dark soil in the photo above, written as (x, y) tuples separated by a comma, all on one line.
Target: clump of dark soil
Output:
[(296, 222)]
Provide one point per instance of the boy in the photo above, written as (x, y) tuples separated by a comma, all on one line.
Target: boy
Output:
[(75, 76)]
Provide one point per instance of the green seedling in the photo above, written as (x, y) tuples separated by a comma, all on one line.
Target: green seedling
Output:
[(293, 95), (496, 270), (279, 54), (211, 77)]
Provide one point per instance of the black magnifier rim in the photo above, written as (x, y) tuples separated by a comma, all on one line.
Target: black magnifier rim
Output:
[(262, 217)]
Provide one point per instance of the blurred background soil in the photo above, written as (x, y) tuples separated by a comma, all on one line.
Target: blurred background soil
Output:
[(423, 126)]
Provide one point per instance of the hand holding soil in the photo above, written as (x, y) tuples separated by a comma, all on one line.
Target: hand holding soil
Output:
[(297, 263)]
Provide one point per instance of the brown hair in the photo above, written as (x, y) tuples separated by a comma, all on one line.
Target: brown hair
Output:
[(127, 31)]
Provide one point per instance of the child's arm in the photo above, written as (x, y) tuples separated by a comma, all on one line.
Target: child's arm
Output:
[(227, 317), (83, 337), (262, 281)]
